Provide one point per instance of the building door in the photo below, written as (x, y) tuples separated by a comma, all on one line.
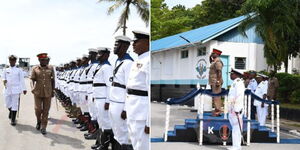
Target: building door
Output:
[(225, 70)]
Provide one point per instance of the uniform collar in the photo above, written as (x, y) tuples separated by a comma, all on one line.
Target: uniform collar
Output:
[(43, 67), (126, 56), (237, 80), (85, 65), (94, 62), (105, 62), (146, 54)]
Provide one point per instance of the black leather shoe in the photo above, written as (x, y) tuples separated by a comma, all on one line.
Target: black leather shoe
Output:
[(38, 126), (92, 136), (13, 123), (79, 126), (84, 128), (95, 146), (43, 131), (13, 118)]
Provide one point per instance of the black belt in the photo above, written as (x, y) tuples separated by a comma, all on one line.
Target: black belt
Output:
[(98, 84), (116, 84), (137, 92), (87, 82)]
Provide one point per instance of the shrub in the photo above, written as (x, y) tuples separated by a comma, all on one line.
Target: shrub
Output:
[(288, 84)]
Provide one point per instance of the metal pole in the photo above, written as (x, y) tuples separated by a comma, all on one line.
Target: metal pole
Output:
[(168, 109), (278, 124), (248, 120), (225, 107), (272, 117), (201, 120), (245, 106)]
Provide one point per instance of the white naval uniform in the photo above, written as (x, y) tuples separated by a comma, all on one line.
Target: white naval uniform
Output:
[(117, 97), (14, 87), (76, 86), (252, 85), (89, 78), (72, 85), (137, 107), (236, 104), (262, 112), (101, 87), (82, 90)]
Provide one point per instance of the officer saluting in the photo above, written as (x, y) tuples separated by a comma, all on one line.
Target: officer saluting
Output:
[(42, 77), (117, 95), (236, 104), (137, 100), (13, 79)]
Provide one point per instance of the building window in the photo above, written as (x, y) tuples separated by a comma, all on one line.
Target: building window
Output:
[(201, 51), (185, 54), (240, 63)]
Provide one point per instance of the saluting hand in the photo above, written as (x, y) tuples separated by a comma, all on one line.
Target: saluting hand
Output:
[(123, 115), (24, 92), (147, 130)]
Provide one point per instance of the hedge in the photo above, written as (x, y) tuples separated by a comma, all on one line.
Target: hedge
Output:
[(289, 88)]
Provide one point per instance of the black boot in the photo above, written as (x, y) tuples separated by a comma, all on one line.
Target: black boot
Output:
[(97, 144), (13, 118), (9, 115), (92, 135), (106, 138), (116, 145), (38, 125), (124, 147)]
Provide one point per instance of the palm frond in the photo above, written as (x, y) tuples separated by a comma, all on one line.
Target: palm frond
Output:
[(115, 6), (123, 18), (143, 11)]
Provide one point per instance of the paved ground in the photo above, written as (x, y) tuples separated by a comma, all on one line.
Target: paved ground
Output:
[(62, 135), (178, 113)]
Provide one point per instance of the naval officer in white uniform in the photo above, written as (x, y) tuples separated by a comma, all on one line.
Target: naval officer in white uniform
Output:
[(13, 79), (117, 95), (236, 104), (137, 100), (101, 89), (261, 91)]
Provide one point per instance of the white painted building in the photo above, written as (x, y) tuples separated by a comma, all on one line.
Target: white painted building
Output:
[(179, 65)]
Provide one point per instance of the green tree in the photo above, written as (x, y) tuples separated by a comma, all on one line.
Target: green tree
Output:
[(141, 6), (276, 23), (166, 22)]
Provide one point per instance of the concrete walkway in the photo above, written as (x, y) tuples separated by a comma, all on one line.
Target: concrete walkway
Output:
[(62, 134)]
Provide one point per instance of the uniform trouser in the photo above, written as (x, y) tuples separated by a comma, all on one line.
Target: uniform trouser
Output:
[(42, 106), (217, 99), (92, 107), (12, 101), (262, 113), (236, 132), (119, 126), (102, 115), (138, 137), (83, 102)]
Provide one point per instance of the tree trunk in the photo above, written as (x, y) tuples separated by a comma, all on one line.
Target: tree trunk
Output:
[(286, 64), (124, 23)]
